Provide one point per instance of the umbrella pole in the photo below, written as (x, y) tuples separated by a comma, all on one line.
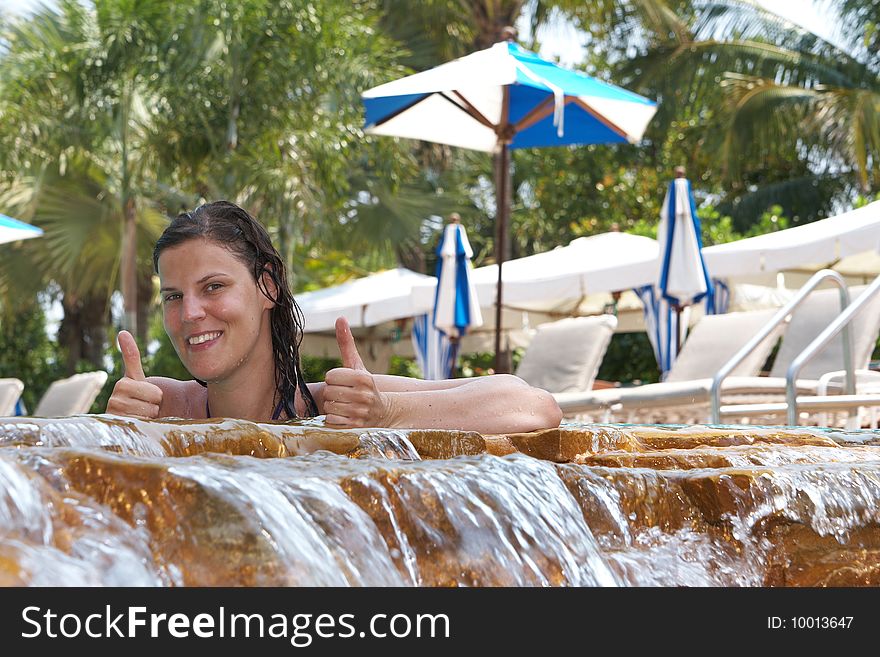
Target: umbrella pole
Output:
[(502, 199), (677, 330), (453, 348)]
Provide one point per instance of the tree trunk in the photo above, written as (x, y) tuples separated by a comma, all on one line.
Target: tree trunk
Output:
[(491, 18), (285, 238), (144, 303), (83, 331), (129, 267), (411, 256)]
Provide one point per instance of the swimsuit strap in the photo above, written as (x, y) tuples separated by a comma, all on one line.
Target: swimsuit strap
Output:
[(278, 409), (275, 415)]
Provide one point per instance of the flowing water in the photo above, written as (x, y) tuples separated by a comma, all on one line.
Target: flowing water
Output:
[(105, 500)]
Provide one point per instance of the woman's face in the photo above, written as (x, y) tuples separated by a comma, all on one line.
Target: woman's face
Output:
[(214, 313)]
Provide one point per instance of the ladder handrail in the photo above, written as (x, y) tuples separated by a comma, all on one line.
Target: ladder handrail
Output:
[(780, 316), (841, 322)]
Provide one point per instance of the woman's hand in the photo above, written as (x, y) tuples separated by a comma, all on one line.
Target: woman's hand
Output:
[(133, 395), (351, 398)]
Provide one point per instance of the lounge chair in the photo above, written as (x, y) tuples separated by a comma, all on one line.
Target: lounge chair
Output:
[(850, 407), (688, 400), (710, 344), (72, 395), (10, 391), (564, 356)]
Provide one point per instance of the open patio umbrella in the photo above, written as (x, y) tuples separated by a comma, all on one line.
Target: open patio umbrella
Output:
[(500, 98), (683, 278), (456, 306), (12, 230)]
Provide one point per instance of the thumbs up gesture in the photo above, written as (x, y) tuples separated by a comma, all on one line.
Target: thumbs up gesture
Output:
[(351, 398), (133, 395)]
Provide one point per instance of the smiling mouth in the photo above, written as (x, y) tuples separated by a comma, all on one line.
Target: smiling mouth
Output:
[(204, 337)]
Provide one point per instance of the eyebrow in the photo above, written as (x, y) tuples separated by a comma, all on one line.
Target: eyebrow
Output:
[(198, 282)]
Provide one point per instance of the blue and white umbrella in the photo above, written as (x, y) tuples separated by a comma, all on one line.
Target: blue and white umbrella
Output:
[(683, 279), (12, 230), (500, 98), (456, 307), (434, 351), (662, 323)]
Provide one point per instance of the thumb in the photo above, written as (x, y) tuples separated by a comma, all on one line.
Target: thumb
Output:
[(350, 356), (131, 356)]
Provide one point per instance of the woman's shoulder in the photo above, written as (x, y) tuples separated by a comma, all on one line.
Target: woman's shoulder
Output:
[(184, 399)]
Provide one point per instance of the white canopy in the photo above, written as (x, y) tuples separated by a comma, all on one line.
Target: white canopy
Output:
[(461, 103), (366, 301), (559, 280), (576, 280), (849, 241)]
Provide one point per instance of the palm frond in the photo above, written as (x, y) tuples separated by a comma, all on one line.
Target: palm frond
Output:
[(804, 198)]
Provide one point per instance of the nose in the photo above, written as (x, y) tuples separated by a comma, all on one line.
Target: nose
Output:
[(193, 308)]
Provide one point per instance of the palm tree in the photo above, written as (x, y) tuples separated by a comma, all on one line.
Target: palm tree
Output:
[(107, 116), (773, 113), (73, 122), (76, 118)]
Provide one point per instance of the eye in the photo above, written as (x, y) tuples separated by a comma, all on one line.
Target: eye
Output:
[(173, 296), (213, 287)]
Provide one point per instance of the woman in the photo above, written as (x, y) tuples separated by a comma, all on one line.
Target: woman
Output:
[(229, 313)]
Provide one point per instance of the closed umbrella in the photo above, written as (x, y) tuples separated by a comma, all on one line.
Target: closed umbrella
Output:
[(434, 352), (456, 306), (683, 278), (12, 230), (501, 98)]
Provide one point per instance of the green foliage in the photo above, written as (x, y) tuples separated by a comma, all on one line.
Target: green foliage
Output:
[(314, 367), (164, 360), (629, 359), (716, 228), (27, 353), (400, 366), (862, 201), (483, 363)]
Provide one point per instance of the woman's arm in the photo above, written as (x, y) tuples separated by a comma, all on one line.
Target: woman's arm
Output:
[(500, 403), (391, 383), (353, 397)]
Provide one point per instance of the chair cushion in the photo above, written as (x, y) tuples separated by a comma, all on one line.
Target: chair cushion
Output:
[(716, 338), (72, 395), (564, 356), (10, 391), (811, 317)]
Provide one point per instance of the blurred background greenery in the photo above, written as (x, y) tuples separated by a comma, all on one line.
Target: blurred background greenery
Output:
[(116, 114)]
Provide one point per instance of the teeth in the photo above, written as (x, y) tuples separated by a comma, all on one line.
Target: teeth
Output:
[(204, 337)]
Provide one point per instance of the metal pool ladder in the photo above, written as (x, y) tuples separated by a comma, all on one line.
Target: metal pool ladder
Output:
[(841, 323)]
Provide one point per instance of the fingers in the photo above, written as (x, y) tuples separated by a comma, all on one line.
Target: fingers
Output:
[(131, 356), (135, 399), (346, 395), (345, 414), (143, 410), (347, 398), (340, 422), (347, 348)]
